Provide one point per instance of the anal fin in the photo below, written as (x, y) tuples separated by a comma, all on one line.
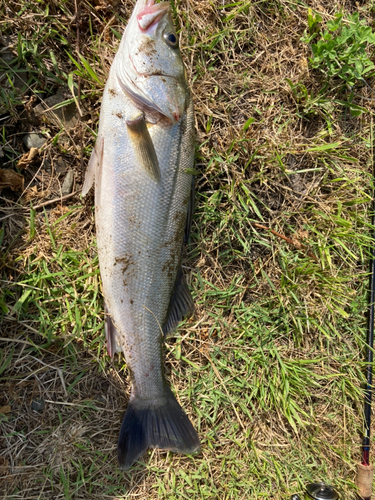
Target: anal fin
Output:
[(143, 145), (180, 306), (112, 335)]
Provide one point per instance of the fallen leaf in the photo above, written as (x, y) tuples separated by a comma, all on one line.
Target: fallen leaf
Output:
[(297, 244), (32, 194), (29, 104), (12, 180), (5, 409), (27, 158), (304, 235), (60, 210)]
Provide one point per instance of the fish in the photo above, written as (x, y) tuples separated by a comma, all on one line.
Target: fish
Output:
[(142, 166)]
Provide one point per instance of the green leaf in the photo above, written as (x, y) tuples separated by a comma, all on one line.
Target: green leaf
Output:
[(325, 147), (21, 301), (76, 63), (89, 69), (71, 88), (191, 171), (313, 20), (342, 50), (248, 123)]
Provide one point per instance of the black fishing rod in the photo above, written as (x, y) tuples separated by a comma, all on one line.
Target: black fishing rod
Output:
[(365, 470)]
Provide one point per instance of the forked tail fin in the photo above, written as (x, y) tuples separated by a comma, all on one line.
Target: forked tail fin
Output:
[(159, 423)]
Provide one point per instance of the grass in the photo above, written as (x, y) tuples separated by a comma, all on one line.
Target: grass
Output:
[(271, 368)]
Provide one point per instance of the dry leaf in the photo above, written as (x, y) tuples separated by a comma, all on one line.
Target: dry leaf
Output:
[(27, 158), (12, 180), (5, 409), (29, 104), (297, 244), (304, 235), (60, 210), (32, 193)]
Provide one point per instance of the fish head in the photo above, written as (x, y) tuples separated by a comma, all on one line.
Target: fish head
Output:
[(149, 64)]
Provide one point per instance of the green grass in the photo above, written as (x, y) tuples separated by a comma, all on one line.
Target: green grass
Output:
[(271, 368), (67, 284)]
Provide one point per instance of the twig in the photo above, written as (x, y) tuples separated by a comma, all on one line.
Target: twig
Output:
[(44, 204), (65, 403), (25, 342), (55, 200), (295, 243)]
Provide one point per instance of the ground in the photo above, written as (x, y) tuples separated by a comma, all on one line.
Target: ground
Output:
[(271, 367)]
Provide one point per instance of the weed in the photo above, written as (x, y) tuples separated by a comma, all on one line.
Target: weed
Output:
[(341, 50)]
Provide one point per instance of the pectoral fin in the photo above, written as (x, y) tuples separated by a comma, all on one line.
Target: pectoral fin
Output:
[(143, 145)]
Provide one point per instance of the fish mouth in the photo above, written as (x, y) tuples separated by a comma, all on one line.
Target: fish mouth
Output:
[(151, 14)]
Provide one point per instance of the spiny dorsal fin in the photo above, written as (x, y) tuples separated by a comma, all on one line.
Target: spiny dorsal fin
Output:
[(143, 145), (180, 306)]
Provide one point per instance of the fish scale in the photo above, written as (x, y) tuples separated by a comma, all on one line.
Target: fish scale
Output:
[(142, 165)]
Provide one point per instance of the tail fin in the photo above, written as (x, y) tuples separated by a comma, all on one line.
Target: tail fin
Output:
[(159, 423)]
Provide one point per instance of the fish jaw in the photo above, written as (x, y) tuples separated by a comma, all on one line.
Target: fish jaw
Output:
[(151, 15)]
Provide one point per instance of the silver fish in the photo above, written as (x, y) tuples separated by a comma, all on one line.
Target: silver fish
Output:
[(142, 165)]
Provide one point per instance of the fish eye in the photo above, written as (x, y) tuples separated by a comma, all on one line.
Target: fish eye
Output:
[(171, 39)]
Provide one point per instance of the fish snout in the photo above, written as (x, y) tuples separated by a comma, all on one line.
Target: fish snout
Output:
[(151, 14)]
